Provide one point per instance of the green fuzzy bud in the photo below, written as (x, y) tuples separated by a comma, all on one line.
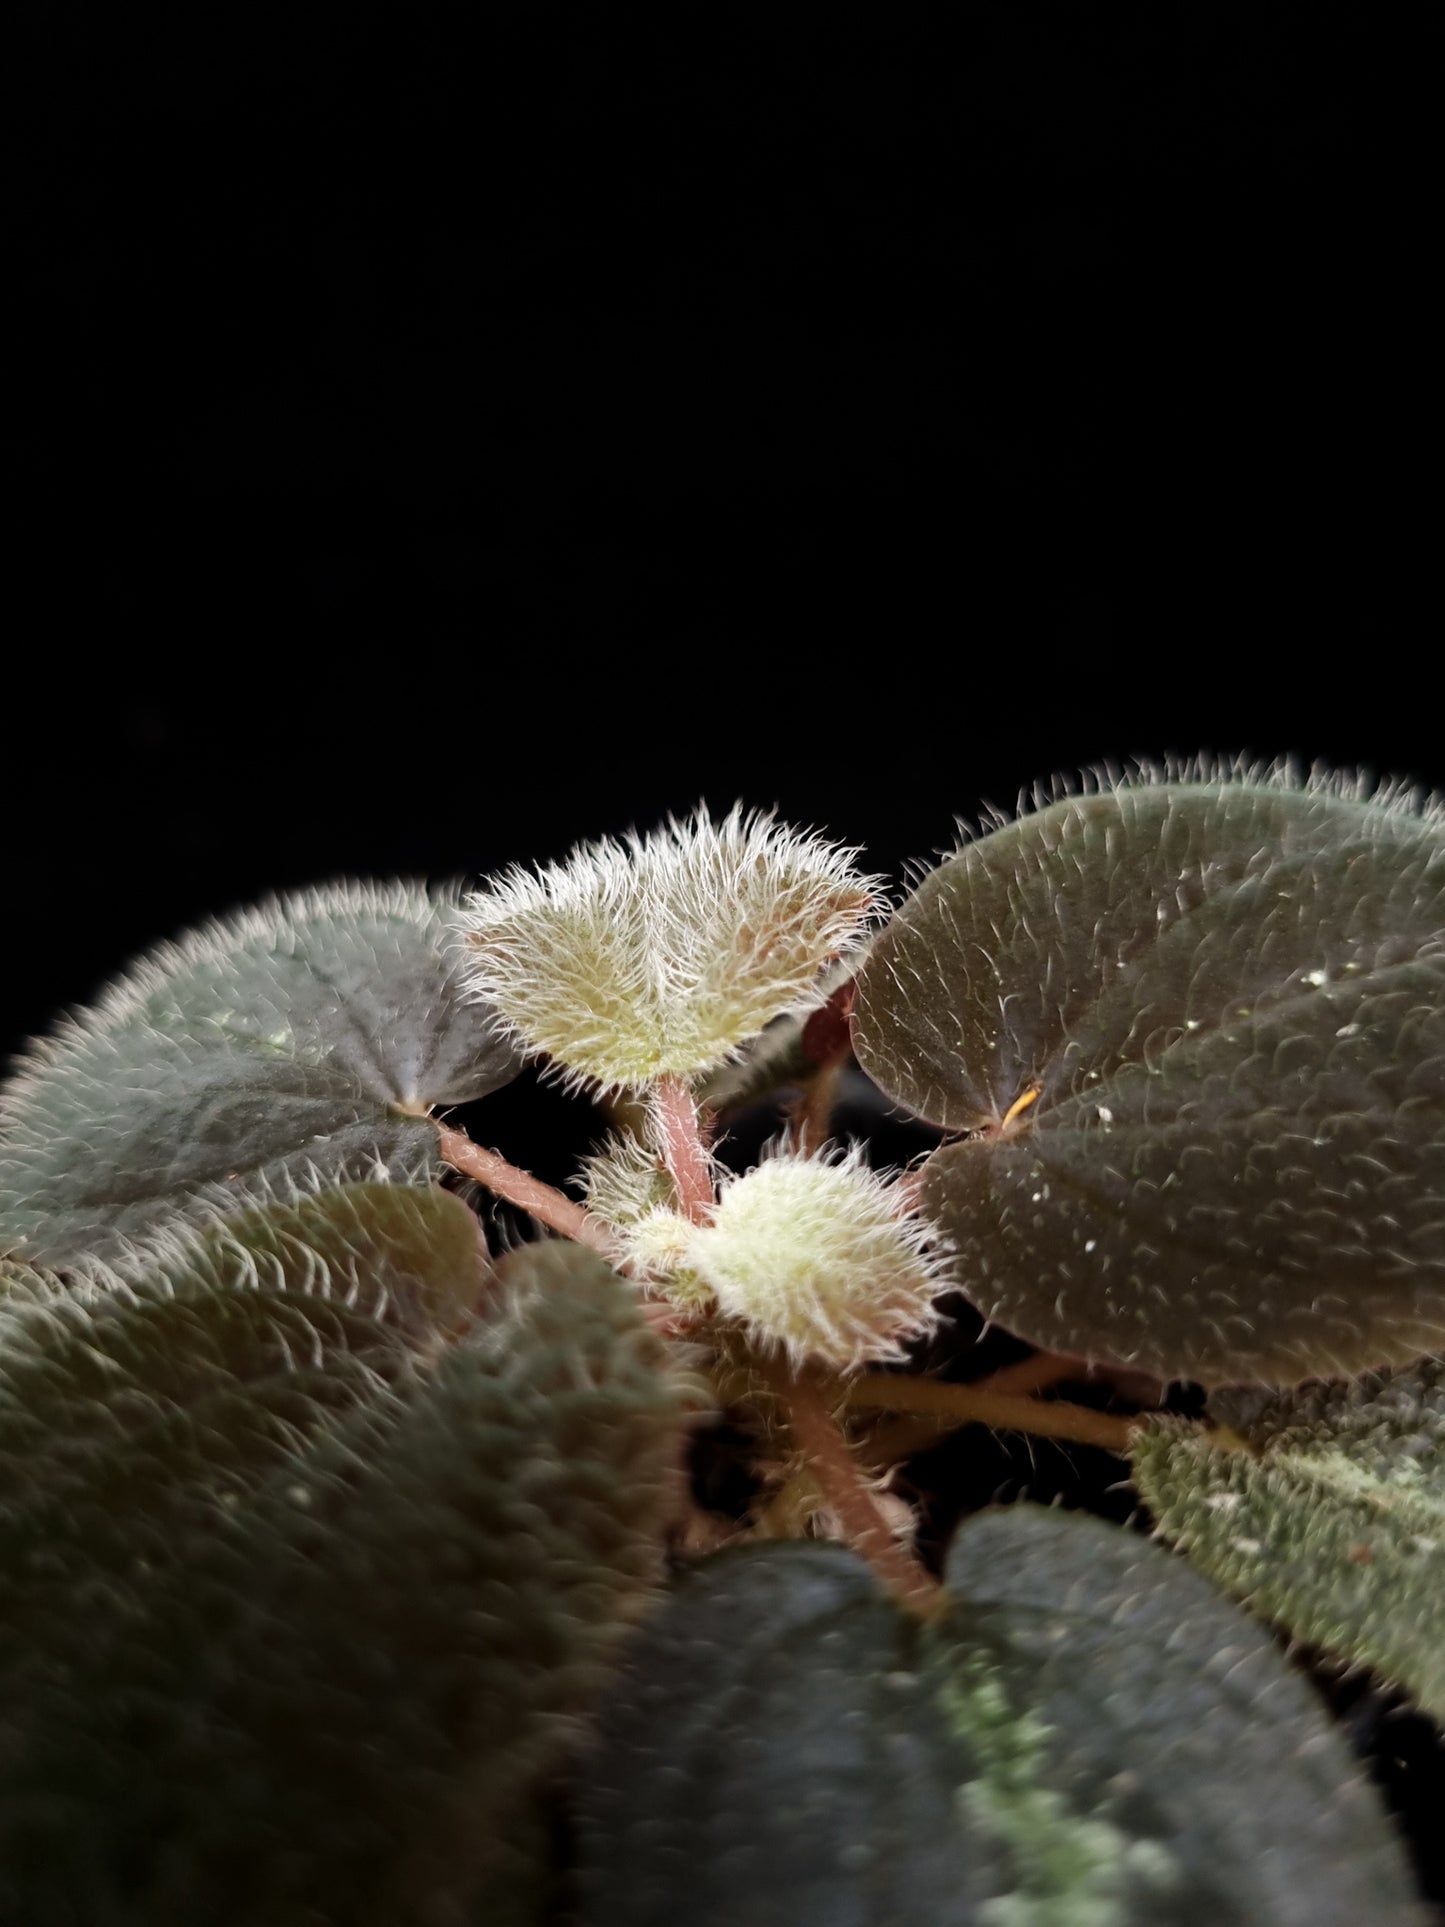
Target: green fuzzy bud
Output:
[(625, 1180), (626, 1185), (662, 954), (814, 1257), (659, 1242)]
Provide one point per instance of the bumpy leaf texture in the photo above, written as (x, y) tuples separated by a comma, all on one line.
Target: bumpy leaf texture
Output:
[(1332, 1522), (302, 1035), (1195, 1033), (296, 1596), (1092, 1737)]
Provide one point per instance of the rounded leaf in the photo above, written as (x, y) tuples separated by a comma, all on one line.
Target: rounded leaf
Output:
[(295, 1605), (307, 1034), (133, 1405), (1091, 1737), (1195, 1034)]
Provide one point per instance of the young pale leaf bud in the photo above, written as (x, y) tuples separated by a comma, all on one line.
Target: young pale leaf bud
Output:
[(660, 1247), (812, 1256), (662, 953), (658, 1241), (624, 1183), (624, 1180)]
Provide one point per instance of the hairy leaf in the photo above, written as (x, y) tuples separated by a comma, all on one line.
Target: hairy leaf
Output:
[(306, 1034), (1196, 1032), (22, 1283), (131, 1405), (1091, 1737), (1331, 1521), (296, 1601), (663, 953)]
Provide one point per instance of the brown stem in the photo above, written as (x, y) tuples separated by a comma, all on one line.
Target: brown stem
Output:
[(899, 1438), (906, 1191), (666, 1319), (1036, 1373), (539, 1200), (969, 1405), (896, 1439), (842, 1486), (813, 1112), (682, 1146)]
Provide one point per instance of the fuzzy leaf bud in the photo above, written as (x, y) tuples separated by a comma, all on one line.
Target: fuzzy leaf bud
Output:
[(812, 1256), (661, 954)]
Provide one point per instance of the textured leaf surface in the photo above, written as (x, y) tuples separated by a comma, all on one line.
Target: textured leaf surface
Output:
[(1230, 1001), (298, 1035), (120, 1398), (1091, 1738), (295, 1602), (22, 1282), (660, 954), (1333, 1523)]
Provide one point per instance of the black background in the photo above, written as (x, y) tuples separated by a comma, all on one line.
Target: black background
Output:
[(447, 432)]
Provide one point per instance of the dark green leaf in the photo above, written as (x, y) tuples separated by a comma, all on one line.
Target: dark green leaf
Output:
[(131, 1407), (1091, 1737), (1230, 999), (295, 1602), (23, 1283), (306, 1034), (1332, 1522)]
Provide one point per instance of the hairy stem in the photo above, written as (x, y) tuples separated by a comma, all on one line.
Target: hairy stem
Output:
[(683, 1151), (813, 1113), (1026, 1376), (910, 1432), (893, 1440), (971, 1405), (864, 1526), (907, 1190), (541, 1201)]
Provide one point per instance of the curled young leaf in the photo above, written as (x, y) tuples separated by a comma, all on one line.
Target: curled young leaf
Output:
[(308, 1034), (294, 1602), (814, 1258), (661, 954), (1330, 1520), (1196, 1034), (1090, 1737), (625, 1179)]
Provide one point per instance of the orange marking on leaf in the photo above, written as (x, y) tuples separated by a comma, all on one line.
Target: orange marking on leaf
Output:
[(1020, 1105)]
